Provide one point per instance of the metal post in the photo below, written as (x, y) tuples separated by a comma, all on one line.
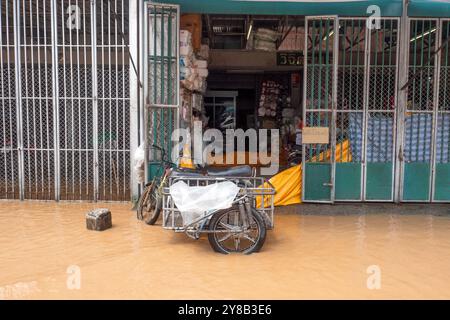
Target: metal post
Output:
[(436, 87), (144, 100), (334, 107), (18, 97), (305, 96), (94, 95), (55, 100), (366, 81), (402, 99)]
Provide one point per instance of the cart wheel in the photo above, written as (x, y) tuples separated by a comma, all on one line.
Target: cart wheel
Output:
[(228, 234), (149, 206)]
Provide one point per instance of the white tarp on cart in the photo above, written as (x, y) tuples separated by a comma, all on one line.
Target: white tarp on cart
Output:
[(195, 201)]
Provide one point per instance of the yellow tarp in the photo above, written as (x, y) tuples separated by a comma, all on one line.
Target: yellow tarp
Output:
[(288, 183)]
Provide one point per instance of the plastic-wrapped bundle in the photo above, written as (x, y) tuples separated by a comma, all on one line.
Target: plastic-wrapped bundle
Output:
[(185, 38), (186, 43), (195, 201), (185, 61), (201, 64), (202, 72), (185, 73), (266, 35), (265, 45), (139, 160)]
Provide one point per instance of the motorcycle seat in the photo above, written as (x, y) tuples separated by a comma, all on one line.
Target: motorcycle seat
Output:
[(178, 172), (237, 171)]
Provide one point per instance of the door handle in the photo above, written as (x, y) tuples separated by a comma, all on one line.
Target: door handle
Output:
[(327, 184)]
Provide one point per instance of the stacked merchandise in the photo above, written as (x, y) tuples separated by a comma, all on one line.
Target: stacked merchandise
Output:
[(193, 74), (193, 71), (274, 98), (269, 98), (263, 39)]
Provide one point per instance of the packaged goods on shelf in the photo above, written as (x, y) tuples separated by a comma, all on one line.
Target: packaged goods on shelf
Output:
[(193, 71), (266, 35), (265, 45), (200, 64)]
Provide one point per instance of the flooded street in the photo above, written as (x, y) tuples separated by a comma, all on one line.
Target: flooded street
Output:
[(306, 256)]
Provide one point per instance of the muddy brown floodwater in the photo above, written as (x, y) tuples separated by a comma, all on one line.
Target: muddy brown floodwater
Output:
[(43, 246)]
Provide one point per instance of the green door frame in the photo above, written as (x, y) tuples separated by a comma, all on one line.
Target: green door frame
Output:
[(161, 62), (318, 174)]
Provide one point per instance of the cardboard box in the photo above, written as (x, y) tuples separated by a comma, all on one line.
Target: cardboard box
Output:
[(193, 23)]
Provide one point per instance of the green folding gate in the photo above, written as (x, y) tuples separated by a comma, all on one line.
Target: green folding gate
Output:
[(319, 105), (441, 172), (162, 87), (426, 167), (381, 109), (351, 87), (350, 108)]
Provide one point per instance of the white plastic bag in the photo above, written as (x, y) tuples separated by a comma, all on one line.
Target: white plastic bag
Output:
[(139, 160), (194, 202)]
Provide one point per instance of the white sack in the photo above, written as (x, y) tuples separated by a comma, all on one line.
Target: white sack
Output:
[(186, 51), (196, 201), (201, 64), (185, 38), (139, 160), (202, 72)]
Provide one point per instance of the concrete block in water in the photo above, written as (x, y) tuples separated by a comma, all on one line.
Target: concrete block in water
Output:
[(98, 219)]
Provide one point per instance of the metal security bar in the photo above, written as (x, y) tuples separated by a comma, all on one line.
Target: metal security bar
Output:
[(319, 106), (36, 99), (380, 109), (419, 126), (441, 155), (9, 154), (64, 100), (113, 100), (350, 128), (77, 107), (163, 80)]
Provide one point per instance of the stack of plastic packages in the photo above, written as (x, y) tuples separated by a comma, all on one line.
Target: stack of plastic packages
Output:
[(265, 39), (193, 71)]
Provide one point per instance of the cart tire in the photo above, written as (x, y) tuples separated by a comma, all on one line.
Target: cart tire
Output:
[(149, 206), (215, 238)]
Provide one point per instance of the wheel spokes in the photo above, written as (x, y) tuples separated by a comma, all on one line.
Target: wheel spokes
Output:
[(246, 236), (235, 237), (226, 225), (237, 243), (225, 238)]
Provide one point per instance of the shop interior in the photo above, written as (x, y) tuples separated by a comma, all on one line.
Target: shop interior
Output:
[(243, 72)]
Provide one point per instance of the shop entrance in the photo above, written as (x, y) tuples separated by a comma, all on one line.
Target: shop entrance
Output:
[(341, 78)]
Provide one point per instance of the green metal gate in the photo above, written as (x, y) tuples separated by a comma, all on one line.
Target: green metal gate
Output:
[(162, 87), (426, 168), (381, 110), (319, 106), (441, 172), (351, 88)]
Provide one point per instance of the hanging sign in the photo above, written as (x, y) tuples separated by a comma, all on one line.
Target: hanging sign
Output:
[(315, 135)]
